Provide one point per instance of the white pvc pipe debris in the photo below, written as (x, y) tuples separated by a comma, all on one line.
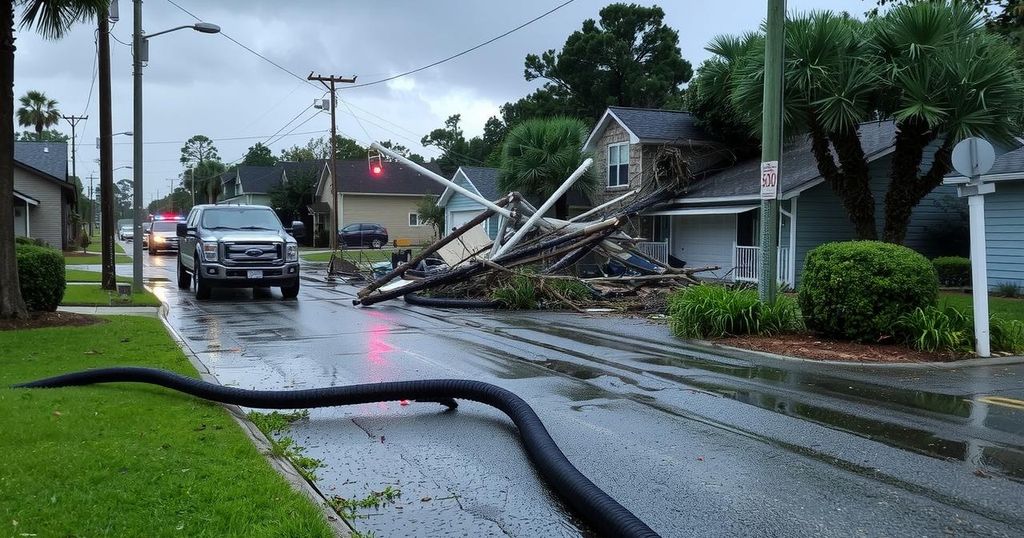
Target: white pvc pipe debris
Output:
[(442, 180), (604, 205), (578, 173)]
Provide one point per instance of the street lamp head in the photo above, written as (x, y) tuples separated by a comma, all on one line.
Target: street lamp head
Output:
[(206, 27)]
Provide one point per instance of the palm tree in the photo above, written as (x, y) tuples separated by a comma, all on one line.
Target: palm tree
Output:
[(51, 18), (928, 66), (38, 111), (539, 154)]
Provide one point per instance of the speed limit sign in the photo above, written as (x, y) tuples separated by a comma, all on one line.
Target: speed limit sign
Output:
[(769, 180)]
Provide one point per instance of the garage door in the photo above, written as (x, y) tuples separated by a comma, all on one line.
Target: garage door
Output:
[(458, 218)]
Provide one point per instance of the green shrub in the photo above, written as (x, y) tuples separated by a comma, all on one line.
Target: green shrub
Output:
[(1010, 290), (710, 311), (1006, 335), (933, 329), (41, 277), (859, 289), (953, 271), (519, 293)]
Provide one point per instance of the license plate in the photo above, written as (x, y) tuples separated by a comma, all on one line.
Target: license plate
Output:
[(254, 274)]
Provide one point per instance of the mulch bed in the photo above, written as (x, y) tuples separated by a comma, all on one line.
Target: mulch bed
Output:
[(809, 346), (39, 320)]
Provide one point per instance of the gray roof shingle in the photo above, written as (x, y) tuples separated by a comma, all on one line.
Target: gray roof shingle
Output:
[(484, 179), (656, 125), (259, 179), (354, 177), (799, 167), (50, 158)]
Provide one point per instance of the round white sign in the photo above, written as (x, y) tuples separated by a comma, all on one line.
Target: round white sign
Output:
[(973, 156)]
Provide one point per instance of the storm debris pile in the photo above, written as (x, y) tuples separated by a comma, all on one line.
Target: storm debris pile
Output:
[(588, 258)]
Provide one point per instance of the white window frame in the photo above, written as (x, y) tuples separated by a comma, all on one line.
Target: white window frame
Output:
[(419, 220), (616, 164)]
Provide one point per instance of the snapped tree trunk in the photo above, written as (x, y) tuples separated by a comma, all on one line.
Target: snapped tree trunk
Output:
[(11, 303), (907, 186), (849, 179)]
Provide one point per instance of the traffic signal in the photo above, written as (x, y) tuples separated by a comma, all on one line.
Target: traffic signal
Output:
[(376, 163)]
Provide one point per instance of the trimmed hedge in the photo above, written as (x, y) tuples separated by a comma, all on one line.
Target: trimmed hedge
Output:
[(41, 277), (859, 290), (953, 271)]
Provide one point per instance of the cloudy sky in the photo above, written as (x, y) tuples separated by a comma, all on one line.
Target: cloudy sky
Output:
[(197, 83)]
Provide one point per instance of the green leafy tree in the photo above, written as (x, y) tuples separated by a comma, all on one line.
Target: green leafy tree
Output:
[(48, 135), (431, 213), (403, 151), (539, 155), (259, 155), (203, 167), (931, 67), (456, 150), (52, 19), (629, 57), (291, 197), (37, 111), (123, 198)]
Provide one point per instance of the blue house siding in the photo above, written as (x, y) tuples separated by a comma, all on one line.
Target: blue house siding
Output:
[(821, 217), (460, 202), (1004, 230)]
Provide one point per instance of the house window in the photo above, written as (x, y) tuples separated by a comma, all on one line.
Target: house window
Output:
[(415, 220), (618, 165)]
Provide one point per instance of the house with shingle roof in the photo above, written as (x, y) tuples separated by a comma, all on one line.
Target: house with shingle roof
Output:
[(390, 199), (716, 221), (1004, 218), (43, 195)]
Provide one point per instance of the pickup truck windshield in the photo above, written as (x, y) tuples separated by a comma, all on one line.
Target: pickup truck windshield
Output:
[(240, 219)]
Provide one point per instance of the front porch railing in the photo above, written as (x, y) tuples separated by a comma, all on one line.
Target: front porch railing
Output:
[(746, 264), (654, 249)]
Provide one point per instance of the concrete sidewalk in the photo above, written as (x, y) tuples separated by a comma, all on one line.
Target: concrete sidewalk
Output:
[(149, 311)]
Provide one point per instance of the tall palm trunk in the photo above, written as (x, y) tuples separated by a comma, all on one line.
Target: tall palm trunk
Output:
[(11, 303)]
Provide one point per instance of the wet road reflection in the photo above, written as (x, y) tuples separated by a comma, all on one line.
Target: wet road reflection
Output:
[(695, 440)]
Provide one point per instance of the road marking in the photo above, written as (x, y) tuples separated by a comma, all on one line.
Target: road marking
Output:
[(1004, 402)]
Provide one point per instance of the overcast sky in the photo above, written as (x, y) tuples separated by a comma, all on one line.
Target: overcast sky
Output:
[(197, 83)]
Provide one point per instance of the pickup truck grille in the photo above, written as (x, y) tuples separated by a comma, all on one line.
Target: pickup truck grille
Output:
[(252, 254)]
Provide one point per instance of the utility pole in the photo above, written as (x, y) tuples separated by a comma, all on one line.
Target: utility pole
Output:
[(137, 53), (92, 204), (109, 270), (73, 120), (329, 83), (771, 149), (170, 191)]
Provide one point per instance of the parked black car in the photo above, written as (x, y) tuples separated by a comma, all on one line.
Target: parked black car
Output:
[(363, 234)]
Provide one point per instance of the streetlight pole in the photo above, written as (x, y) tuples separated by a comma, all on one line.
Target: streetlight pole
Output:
[(140, 44), (771, 149)]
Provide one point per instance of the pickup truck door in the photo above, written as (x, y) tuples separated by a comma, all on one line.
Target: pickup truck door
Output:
[(187, 244)]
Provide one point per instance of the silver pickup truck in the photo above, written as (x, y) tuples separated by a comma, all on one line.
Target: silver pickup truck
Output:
[(237, 246)]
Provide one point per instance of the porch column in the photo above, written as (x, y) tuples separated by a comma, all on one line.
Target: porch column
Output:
[(792, 241)]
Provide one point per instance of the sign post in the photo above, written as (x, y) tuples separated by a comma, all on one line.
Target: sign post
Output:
[(771, 149), (972, 157)]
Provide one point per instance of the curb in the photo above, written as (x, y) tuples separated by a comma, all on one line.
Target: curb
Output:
[(709, 346), (283, 466)]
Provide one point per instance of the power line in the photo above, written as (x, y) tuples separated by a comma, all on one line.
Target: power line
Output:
[(467, 51), (233, 40)]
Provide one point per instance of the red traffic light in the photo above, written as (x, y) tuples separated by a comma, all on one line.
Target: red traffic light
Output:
[(376, 169)]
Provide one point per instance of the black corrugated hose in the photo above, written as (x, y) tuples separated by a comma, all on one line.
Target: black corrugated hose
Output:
[(592, 504)]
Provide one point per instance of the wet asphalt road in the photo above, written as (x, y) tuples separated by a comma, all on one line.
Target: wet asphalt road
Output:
[(694, 440)]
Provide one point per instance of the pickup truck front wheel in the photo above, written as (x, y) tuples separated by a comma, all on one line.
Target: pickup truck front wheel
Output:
[(184, 279), (202, 288), (291, 291)]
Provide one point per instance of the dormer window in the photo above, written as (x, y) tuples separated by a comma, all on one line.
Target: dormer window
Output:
[(618, 165)]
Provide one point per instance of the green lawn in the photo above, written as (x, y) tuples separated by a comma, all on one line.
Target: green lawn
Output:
[(97, 296), (77, 258), (1006, 308), (364, 255), (126, 459), (79, 275)]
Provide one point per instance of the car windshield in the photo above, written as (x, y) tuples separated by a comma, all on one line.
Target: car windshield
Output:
[(241, 219), (165, 226)]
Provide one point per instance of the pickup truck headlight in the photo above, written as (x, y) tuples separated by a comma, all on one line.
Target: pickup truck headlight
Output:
[(291, 252), (210, 252)]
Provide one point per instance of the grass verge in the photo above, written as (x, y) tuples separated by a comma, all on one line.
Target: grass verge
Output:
[(273, 425), (1001, 306), (80, 275), (77, 258), (97, 296), (129, 460)]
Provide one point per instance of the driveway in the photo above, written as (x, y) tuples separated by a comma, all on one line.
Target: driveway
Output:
[(694, 440)]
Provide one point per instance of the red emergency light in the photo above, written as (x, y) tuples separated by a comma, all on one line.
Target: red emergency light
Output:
[(376, 163)]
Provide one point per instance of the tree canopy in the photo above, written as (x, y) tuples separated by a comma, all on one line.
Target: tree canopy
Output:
[(457, 151), (931, 67), (37, 111), (259, 155)]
